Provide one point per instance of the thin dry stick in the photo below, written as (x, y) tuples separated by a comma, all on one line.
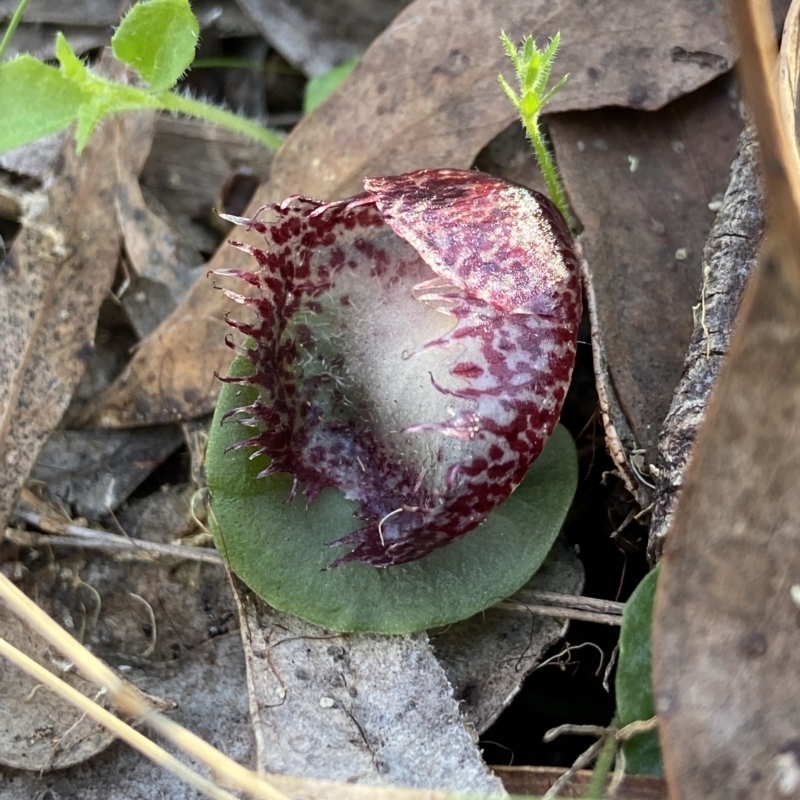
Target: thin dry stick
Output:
[(619, 774), (127, 702), (100, 540), (572, 601), (574, 730), (561, 613), (580, 762)]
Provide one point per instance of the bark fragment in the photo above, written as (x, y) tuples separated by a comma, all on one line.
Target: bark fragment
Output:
[(729, 257)]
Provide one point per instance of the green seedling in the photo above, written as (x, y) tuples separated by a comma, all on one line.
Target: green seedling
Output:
[(157, 38), (533, 67)]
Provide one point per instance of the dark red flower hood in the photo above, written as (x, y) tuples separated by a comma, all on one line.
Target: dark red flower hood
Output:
[(412, 346)]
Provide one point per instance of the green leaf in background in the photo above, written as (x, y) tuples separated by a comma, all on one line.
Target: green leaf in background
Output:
[(634, 679), (279, 550), (320, 88), (35, 101), (158, 39)]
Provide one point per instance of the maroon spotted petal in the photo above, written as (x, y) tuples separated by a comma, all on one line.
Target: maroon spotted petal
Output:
[(412, 347)]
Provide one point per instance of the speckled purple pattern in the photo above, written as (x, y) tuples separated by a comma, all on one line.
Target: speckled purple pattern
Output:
[(493, 256)]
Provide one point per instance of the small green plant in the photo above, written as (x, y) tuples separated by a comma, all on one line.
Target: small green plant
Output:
[(533, 67), (318, 89), (157, 38)]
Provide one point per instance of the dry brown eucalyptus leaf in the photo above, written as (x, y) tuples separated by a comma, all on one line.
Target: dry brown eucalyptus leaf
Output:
[(726, 625), (100, 12), (105, 13), (643, 242), (425, 95), (51, 286)]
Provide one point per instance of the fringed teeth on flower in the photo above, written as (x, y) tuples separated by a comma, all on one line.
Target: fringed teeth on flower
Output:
[(412, 347)]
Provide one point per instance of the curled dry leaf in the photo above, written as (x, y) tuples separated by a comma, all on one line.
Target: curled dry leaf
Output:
[(159, 274), (189, 195)]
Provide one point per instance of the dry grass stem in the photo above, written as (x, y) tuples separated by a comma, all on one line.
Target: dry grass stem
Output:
[(130, 704), (566, 606), (119, 728)]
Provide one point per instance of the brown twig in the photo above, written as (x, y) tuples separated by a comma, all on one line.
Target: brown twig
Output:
[(59, 532), (565, 606)]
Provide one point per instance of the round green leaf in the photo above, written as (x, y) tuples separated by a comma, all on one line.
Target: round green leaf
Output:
[(36, 100), (158, 39), (634, 678), (278, 548)]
